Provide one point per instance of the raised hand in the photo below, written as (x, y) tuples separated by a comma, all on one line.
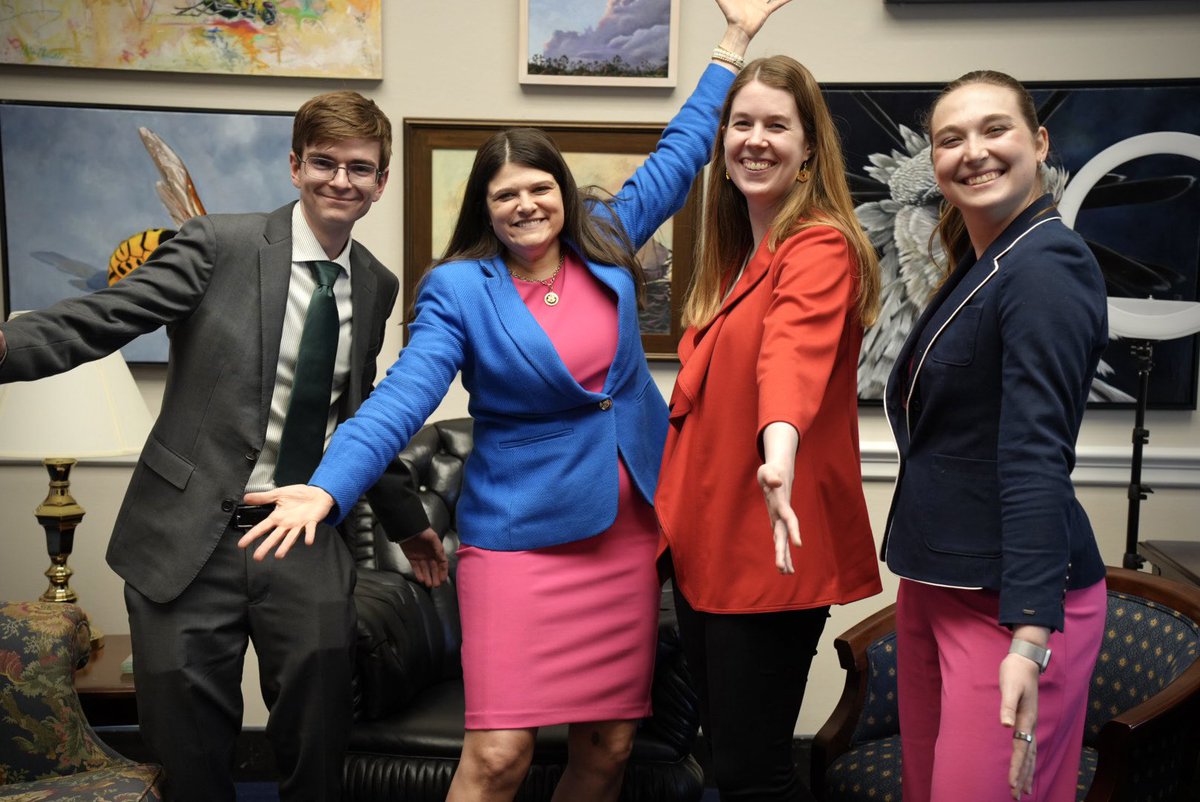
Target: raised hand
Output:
[(744, 19)]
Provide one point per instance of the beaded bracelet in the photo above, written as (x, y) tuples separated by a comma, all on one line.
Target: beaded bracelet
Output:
[(729, 57)]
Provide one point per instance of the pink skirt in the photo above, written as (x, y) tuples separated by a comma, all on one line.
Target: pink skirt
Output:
[(562, 634)]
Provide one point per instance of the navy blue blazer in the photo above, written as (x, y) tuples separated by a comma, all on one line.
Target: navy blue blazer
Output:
[(985, 401), (543, 468)]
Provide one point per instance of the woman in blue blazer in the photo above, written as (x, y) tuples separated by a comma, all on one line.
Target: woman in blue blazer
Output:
[(999, 567), (536, 305)]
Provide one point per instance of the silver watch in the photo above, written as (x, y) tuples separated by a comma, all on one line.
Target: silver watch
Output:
[(1038, 654)]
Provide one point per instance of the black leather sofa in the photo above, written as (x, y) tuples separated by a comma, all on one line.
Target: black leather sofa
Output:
[(408, 728)]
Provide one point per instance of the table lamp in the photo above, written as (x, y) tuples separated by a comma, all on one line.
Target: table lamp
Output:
[(94, 410)]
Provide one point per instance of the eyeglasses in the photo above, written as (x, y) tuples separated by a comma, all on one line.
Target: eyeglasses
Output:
[(361, 174)]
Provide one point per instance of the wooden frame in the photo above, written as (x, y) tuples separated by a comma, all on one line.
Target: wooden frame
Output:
[(575, 56), (438, 156)]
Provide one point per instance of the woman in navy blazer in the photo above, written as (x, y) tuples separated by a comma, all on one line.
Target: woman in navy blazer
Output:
[(998, 561), (536, 304)]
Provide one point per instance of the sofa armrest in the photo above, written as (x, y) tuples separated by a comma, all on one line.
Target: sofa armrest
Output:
[(406, 641)]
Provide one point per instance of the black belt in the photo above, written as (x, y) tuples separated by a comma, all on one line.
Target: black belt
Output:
[(245, 516)]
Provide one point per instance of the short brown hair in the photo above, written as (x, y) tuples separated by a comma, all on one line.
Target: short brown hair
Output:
[(338, 116)]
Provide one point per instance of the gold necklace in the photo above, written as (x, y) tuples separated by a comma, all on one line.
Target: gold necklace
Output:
[(551, 297)]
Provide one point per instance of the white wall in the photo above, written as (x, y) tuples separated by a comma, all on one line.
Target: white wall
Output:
[(437, 66)]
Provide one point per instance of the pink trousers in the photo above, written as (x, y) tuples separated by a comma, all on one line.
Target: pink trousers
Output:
[(949, 649)]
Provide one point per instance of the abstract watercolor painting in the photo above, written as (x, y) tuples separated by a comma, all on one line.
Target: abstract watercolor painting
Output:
[(599, 42), (317, 38)]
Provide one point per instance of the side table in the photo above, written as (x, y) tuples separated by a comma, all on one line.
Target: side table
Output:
[(107, 695), (1174, 559)]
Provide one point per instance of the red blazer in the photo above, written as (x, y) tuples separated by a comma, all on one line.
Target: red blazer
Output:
[(784, 347)]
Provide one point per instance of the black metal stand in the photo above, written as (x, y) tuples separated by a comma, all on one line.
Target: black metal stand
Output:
[(1143, 351)]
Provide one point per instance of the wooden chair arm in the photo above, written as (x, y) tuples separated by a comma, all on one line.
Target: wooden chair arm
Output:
[(833, 739)]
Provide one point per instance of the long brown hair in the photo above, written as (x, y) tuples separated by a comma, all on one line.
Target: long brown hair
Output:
[(951, 229), (598, 236), (822, 200)]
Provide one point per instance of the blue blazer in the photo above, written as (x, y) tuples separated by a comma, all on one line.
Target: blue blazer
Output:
[(543, 470), (985, 401)]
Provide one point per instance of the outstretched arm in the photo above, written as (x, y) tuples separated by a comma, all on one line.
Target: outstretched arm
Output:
[(298, 510), (779, 443)]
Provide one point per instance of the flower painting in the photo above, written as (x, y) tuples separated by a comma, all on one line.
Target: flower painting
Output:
[(326, 39), (599, 42)]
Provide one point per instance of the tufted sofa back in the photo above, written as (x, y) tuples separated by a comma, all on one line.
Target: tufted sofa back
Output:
[(423, 636)]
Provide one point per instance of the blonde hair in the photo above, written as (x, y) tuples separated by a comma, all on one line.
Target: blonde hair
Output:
[(822, 200)]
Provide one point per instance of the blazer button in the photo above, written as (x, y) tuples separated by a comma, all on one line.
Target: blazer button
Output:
[(251, 456), (227, 505), (605, 405)]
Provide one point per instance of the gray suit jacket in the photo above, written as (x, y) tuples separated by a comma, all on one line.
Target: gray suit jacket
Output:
[(220, 287)]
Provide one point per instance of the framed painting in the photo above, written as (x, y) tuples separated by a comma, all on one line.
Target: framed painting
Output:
[(1142, 221), (437, 160), (298, 38), (88, 191), (598, 42)]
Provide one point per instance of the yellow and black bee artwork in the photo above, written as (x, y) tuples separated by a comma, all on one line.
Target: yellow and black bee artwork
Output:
[(261, 10), (178, 194)]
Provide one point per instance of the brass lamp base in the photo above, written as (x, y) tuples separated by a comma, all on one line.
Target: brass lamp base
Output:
[(59, 514)]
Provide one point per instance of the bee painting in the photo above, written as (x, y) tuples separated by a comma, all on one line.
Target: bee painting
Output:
[(243, 9), (177, 192), (90, 191)]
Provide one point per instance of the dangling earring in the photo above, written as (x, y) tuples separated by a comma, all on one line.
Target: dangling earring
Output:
[(802, 173), (727, 178)]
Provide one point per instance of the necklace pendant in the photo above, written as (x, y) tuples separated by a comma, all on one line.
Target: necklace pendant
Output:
[(551, 298)]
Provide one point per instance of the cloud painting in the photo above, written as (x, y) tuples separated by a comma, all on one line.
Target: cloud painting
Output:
[(617, 42)]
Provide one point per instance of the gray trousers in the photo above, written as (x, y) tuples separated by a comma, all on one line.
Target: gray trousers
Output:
[(188, 659)]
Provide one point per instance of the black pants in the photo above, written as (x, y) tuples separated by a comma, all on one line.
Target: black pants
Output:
[(750, 671), (188, 655)]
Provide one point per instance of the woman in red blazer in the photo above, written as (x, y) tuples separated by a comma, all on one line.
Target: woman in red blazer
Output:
[(765, 408)]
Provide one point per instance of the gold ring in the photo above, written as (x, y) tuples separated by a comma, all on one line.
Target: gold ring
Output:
[(1027, 737)]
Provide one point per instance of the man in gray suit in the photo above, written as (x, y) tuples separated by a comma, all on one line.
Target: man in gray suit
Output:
[(234, 293)]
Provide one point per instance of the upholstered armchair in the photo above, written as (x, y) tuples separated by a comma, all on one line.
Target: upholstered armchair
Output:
[(48, 752), (1142, 735), (408, 731)]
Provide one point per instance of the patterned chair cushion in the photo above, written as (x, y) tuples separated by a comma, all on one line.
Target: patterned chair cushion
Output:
[(128, 782), (50, 751), (1145, 647), (866, 773), (879, 718), (871, 773)]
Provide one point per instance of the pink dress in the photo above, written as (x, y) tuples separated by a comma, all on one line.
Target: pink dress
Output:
[(565, 633)]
